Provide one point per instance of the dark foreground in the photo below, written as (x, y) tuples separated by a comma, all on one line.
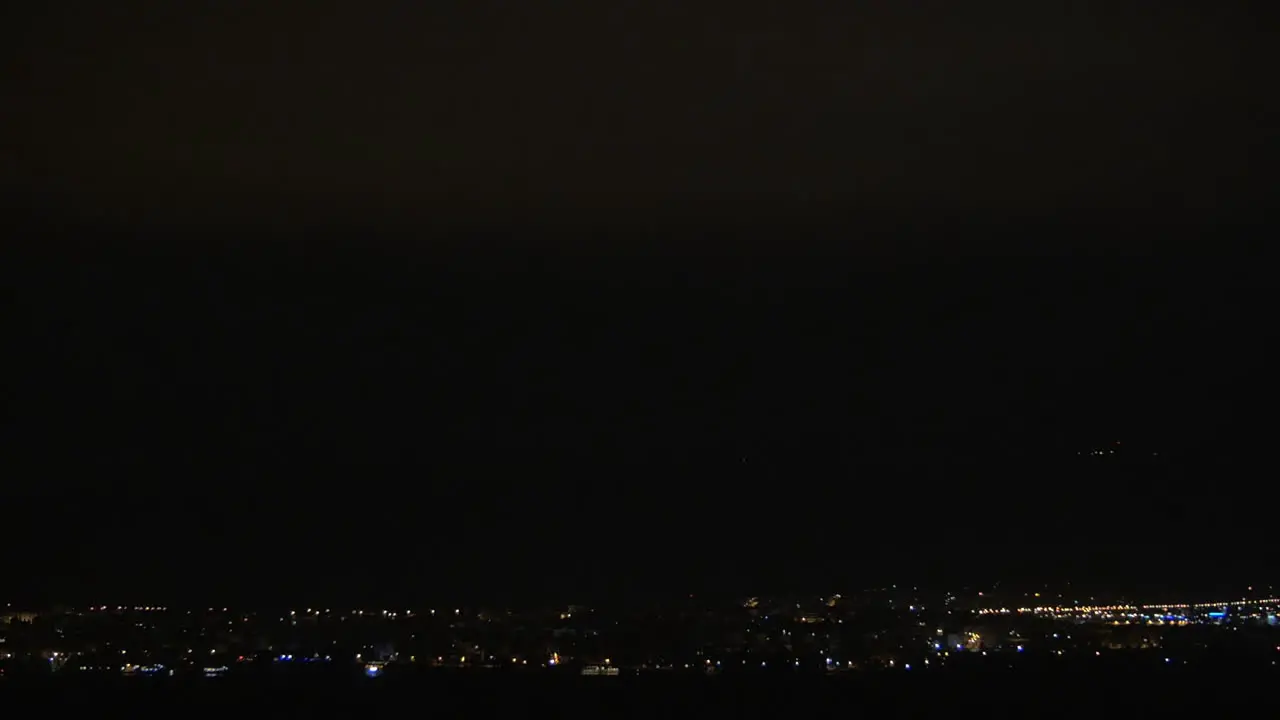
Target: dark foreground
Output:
[(1220, 692)]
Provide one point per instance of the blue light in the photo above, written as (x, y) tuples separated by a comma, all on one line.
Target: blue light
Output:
[(1217, 614)]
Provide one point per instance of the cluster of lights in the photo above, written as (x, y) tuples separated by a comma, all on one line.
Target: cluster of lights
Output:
[(1232, 603), (1130, 609), (130, 669), (1061, 610)]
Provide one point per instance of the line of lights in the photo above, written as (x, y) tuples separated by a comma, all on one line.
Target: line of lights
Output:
[(1093, 609)]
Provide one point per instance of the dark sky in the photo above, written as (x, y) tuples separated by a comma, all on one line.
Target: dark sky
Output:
[(478, 111), (477, 300), (345, 427)]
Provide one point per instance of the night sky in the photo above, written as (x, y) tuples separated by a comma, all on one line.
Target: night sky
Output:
[(474, 111), (471, 300)]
